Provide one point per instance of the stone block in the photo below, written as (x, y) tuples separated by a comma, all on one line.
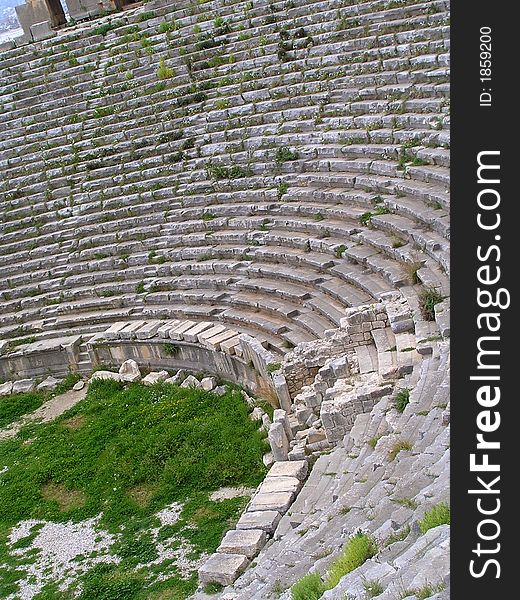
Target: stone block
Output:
[(129, 371), (208, 383), (279, 501), (278, 441), (248, 542), (22, 385), (105, 375), (280, 484), (267, 520), (191, 382), (298, 469), (42, 31), (222, 568), (191, 335), (6, 388), (48, 384), (177, 331), (155, 377)]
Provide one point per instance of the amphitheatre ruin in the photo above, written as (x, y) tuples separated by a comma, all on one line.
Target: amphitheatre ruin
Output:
[(225, 301)]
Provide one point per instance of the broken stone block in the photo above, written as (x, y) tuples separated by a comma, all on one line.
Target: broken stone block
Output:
[(105, 375), (208, 383), (262, 519), (79, 385), (129, 371), (222, 568), (282, 391), (268, 459), (22, 385), (6, 388), (257, 413), (155, 377), (278, 441), (315, 435), (248, 542), (280, 416), (266, 421), (191, 382), (48, 384), (178, 378)]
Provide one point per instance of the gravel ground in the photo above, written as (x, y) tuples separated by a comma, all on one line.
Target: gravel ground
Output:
[(59, 546)]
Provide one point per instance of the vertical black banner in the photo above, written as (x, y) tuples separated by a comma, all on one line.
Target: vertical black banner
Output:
[(484, 253)]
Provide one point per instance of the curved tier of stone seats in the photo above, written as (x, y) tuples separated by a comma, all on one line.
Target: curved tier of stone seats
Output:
[(291, 163), (361, 486), (113, 207)]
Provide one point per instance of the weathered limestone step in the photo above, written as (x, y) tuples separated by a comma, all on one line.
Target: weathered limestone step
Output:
[(267, 520), (222, 568), (248, 542)]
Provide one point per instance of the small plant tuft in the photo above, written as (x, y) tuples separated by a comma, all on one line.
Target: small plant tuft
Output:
[(397, 447), (438, 515), (428, 298), (402, 399), (309, 587), (170, 349), (285, 154)]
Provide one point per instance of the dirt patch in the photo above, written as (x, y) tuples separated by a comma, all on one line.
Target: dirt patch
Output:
[(226, 493), (142, 494), (66, 499), (74, 423)]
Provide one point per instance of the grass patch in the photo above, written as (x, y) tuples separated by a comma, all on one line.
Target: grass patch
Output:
[(281, 190), (13, 344), (124, 454), (164, 72), (67, 384), (170, 349), (213, 588), (372, 442), (438, 515), (399, 536), (406, 502), (357, 550), (423, 593), (309, 587), (402, 399), (177, 440), (14, 406)]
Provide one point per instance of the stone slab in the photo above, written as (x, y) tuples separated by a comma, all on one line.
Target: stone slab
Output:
[(280, 484), (262, 519), (222, 568), (279, 501), (296, 468), (248, 542)]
